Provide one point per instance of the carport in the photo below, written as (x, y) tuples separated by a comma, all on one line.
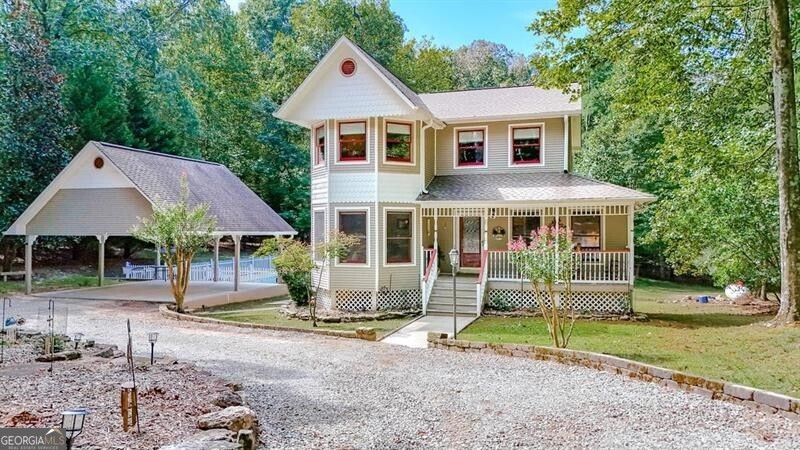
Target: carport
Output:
[(106, 187)]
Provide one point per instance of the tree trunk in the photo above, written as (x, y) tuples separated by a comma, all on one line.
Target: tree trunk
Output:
[(9, 250), (787, 158)]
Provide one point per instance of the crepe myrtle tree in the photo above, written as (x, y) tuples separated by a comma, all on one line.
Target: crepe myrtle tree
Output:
[(180, 230), (295, 263), (545, 262)]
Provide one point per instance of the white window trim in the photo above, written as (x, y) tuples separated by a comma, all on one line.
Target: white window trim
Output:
[(384, 134), (485, 164), (315, 210), (314, 128), (511, 144), (369, 241), (386, 211), (336, 160)]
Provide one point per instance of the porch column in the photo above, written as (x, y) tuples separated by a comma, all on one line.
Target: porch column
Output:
[(158, 255), (237, 241), (436, 228), (630, 245), (29, 240), (101, 257), (485, 229), (216, 258)]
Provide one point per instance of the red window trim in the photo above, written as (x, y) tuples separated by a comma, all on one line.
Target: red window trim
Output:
[(409, 238), (366, 234), (339, 142), (317, 160), (458, 148), (388, 158), (529, 161)]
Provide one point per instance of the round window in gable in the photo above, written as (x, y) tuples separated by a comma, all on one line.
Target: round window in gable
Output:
[(348, 67), (98, 163)]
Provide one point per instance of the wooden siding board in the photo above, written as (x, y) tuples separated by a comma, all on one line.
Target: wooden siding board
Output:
[(355, 277)]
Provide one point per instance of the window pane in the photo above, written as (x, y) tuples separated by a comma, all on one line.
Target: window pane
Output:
[(526, 146), (398, 237), (353, 141), (355, 224), (320, 140), (526, 133), (319, 230), (470, 147), (398, 142), (586, 231), (522, 226)]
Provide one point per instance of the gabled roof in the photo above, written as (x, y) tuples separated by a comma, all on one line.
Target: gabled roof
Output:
[(500, 103), (530, 187)]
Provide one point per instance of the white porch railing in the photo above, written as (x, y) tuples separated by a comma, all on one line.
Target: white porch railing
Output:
[(251, 270), (587, 267), (431, 261), (481, 283)]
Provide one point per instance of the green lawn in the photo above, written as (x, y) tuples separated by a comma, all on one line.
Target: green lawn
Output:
[(709, 340), (53, 284), (237, 313)]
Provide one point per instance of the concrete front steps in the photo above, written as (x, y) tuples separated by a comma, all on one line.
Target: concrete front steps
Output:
[(441, 300)]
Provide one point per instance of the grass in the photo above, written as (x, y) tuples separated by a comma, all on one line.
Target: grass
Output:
[(253, 312), (709, 340), (53, 284)]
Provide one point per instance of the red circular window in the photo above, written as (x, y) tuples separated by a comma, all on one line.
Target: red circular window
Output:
[(98, 163), (348, 67)]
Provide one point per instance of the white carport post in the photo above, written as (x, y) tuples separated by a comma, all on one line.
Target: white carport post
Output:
[(29, 240), (237, 246), (216, 257), (101, 257)]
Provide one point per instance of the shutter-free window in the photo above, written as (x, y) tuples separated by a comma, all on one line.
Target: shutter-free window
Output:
[(354, 223), (521, 227), (319, 233), (353, 141), (319, 140), (398, 237), (471, 147), (586, 231), (398, 142), (526, 145)]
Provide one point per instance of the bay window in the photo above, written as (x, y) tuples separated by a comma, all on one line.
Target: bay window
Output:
[(471, 147), (398, 237), (319, 145), (398, 142), (526, 145), (354, 223), (586, 232), (353, 141)]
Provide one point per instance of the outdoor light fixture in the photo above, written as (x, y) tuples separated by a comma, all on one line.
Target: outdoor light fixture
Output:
[(454, 267), (77, 338), (153, 338), (72, 423)]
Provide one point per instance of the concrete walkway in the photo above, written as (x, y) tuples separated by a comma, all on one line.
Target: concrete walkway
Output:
[(199, 293), (415, 334)]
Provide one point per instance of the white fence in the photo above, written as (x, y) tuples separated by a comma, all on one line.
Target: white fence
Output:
[(587, 267), (251, 270)]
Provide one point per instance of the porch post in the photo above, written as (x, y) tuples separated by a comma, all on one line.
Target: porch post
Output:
[(216, 258), (29, 240), (630, 245), (101, 258), (436, 228), (237, 241), (158, 255), (485, 228)]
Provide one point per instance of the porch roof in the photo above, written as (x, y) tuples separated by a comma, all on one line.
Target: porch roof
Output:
[(534, 187)]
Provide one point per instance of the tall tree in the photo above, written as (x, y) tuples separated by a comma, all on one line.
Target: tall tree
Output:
[(788, 160), (487, 64)]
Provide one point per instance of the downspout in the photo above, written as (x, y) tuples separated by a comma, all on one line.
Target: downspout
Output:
[(566, 143), (423, 186)]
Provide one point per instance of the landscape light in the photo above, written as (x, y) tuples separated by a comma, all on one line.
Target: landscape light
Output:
[(77, 338), (153, 338), (72, 422)]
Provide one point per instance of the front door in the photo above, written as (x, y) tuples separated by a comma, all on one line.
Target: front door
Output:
[(470, 242)]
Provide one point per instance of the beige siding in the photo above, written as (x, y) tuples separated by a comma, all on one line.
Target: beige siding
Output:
[(498, 148), (355, 277), (400, 276), (446, 240), (381, 145), (75, 212), (430, 154), (616, 233)]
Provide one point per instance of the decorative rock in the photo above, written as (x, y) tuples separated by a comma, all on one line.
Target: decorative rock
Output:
[(216, 439), (106, 352), (68, 355), (366, 333), (227, 399), (247, 440), (772, 399), (233, 418)]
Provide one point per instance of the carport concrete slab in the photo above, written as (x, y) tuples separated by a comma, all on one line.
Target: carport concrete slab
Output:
[(199, 293), (415, 334)]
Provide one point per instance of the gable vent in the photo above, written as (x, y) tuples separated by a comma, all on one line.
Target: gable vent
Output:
[(348, 67)]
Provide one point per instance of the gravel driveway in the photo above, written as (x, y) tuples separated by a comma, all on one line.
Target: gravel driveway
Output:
[(314, 391)]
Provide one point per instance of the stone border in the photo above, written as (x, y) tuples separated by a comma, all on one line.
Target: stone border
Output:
[(765, 401), (365, 333)]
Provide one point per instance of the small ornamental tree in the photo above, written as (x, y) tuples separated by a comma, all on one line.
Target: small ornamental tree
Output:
[(294, 262), (180, 231), (547, 261)]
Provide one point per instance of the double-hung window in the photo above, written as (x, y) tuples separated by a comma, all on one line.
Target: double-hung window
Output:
[(398, 142), (319, 145), (471, 147), (526, 145), (353, 141), (354, 223), (399, 228)]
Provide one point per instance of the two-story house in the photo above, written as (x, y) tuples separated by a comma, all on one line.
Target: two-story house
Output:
[(416, 175)]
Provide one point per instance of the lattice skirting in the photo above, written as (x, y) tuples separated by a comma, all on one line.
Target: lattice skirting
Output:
[(584, 301), (400, 300), (324, 299), (354, 300)]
